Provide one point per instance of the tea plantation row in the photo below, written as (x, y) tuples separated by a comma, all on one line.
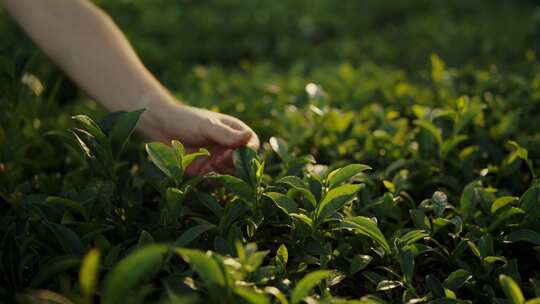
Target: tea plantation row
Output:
[(386, 175)]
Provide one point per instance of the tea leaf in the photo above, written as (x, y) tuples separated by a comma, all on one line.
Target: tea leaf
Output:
[(189, 158), (524, 235), (511, 290), (388, 284), (207, 268), (450, 144), (431, 129), (456, 279), (137, 267), (91, 127), (243, 158), (367, 227), (341, 175), (164, 158), (303, 218), (235, 185), (299, 185), (435, 286), (122, 130), (89, 272), (191, 234), (307, 283), (502, 201), (283, 202), (407, 265), (335, 199), (251, 296)]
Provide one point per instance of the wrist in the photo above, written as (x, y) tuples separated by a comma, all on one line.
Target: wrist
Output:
[(157, 105)]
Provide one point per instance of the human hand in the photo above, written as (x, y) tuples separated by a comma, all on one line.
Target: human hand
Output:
[(197, 128)]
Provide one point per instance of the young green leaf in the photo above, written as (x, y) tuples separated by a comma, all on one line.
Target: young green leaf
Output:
[(456, 279), (502, 215), (207, 268), (282, 256), (420, 219), (413, 236), (130, 271), (243, 158), (511, 290), (341, 175), (303, 218), (307, 283), (189, 158), (88, 275), (406, 261), (431, 129), (91, 127), (235, 185), (277, 294), (503, 201), (334, 200), (367, 227), (450, 144), (179, 151), (251, 296), (164, 158), (388, 284), (283, 202), (299, 185)]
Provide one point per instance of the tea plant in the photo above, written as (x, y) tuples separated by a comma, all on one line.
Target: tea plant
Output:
[(382, 178)]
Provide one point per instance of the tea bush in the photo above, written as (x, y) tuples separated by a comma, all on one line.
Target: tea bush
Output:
[(376, 183)]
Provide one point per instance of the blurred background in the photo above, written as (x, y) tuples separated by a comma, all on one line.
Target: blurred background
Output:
[(173, 35), (256, 59)]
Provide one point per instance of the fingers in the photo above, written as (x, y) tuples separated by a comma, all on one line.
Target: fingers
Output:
[(224, 163), (226, 135), (219, 161), (237, 124), (254, 142)]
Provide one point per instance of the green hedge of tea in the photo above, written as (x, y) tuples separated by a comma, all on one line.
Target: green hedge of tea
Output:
[(399, 165)]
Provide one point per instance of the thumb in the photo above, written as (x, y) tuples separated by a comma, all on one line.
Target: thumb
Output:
[(224, 135)]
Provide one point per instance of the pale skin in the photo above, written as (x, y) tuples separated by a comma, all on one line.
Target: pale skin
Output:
[(86, 44)]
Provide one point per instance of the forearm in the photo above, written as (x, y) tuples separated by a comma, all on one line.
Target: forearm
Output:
[(88, 46)]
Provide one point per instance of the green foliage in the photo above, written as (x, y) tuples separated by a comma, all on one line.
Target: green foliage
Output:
[(399, 167)]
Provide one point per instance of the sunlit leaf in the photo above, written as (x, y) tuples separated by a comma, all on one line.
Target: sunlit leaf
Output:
[(511, 290), (341, 175), (207, 268), (88, 276), (306, 284), (335, 199), (367, 227), (164, 158), (456, 279), (137, 267)]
